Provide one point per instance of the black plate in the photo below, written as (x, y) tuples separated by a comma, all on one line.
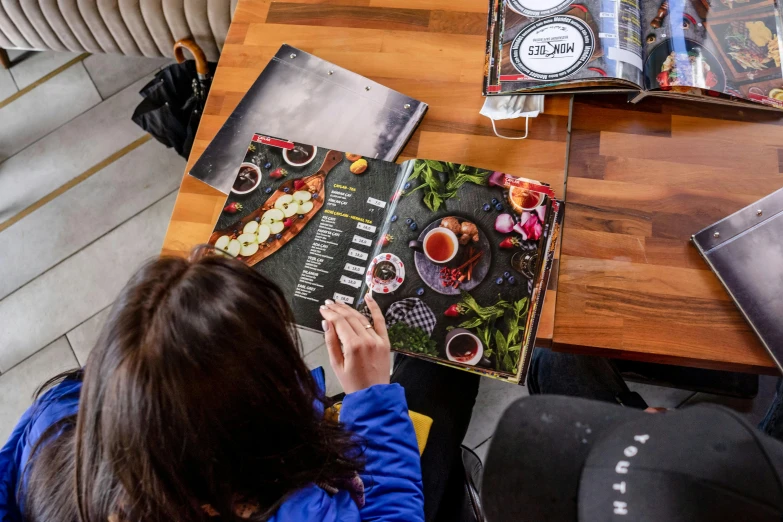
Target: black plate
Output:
[(658, 55)]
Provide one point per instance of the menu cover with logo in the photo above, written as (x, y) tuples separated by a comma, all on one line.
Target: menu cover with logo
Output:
[(723, 51), (458, 257)]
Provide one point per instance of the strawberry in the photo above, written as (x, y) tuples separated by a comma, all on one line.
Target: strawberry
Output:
[(509, 242), (288, 222), (278, 173), (298, 184), (385, 240), (233, 207), (453, 311)]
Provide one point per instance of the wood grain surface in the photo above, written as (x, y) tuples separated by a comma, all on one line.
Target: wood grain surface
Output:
[(432, 50), (641, 180)]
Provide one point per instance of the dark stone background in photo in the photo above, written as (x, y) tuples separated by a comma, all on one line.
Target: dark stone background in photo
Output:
[(285, 266)]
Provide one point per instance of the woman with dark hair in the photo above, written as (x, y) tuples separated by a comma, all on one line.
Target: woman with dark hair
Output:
[(196, 405)]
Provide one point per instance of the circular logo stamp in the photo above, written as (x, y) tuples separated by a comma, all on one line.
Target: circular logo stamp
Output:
[(552, 48), (538, 8)]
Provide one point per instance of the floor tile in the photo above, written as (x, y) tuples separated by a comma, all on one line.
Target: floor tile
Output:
[(310, 340), (84, 336), (493, 398), (752, 409), (7, 85), (68, 151), (111, 73), (79, 287), (37, 65), (45, 108), (660, 396), (13, 54), (86, 212), (320, 357), (18, 385)]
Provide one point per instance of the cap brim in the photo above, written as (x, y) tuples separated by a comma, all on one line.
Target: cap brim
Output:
[(537, 455)]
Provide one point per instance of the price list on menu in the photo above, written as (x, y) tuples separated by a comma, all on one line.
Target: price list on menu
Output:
[(337, 257), (621, 31)]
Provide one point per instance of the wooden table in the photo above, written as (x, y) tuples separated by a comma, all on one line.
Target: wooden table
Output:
[(430, 50), (641, 180)]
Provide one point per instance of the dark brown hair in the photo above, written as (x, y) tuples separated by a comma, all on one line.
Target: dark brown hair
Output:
[(196, 393)]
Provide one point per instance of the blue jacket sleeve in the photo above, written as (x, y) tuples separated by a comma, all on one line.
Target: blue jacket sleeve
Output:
[(392, 475), (55, 404)]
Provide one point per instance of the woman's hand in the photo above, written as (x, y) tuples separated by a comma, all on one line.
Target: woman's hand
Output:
[(364, 359)]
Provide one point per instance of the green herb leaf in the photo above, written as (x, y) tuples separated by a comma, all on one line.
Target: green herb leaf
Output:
[(405, 338), (435, 165)]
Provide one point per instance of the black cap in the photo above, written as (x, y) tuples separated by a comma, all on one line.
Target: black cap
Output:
[(568, 459)]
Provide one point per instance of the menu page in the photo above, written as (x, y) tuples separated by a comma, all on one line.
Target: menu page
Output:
[(720, 48), (307, 218), (546, 43)]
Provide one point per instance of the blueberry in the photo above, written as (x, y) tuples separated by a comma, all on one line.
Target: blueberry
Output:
[(494, 201), (268, 190), (315, 195), (394, 218), (486, 207), (499, 206), (278, 236), (420, 291), (512, 280), (286, 190), (499, 281), (413, 226), (506, 275), (406, 186), (301, 216), (267, 165), (257, 219), (408, 221)]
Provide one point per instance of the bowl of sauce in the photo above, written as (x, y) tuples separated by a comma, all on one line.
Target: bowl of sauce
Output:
[(247, 180), (300, 155), (463, 347)]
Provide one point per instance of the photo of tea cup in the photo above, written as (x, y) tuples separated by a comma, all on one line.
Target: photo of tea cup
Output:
[(440, 245), (463, 347)]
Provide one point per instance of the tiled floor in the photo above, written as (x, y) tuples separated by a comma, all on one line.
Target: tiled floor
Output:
[(68, 252)]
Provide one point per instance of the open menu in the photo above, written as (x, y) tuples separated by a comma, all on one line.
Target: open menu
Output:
[(722, 51), (457, 257)]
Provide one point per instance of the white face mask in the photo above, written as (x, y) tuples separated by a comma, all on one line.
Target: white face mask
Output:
[(513, 106)]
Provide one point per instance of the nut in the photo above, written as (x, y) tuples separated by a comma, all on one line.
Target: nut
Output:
[(352, 157), (359, 166)]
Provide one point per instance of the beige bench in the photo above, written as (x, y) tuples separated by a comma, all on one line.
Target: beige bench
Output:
[(129, 27)]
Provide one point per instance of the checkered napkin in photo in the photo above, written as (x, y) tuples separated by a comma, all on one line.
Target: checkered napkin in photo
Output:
[(412, 311)]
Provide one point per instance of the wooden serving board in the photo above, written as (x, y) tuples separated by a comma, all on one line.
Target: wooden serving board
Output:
[(313, 184)]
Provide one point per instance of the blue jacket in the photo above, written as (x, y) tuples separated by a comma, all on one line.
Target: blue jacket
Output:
[(392, 478)]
